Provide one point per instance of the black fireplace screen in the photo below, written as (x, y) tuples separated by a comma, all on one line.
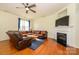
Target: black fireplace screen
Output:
[(62, 38)]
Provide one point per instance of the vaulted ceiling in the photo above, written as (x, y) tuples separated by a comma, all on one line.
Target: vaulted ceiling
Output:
[(42, 9)]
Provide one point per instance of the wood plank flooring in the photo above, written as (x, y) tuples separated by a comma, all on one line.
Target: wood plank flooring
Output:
[(49, 47)]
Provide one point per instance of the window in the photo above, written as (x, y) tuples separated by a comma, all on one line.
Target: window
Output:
[(24, 25)]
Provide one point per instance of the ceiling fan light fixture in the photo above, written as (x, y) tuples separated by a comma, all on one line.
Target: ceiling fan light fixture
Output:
[(27, 8)]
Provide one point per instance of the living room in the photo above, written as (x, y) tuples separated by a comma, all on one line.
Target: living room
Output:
[(43, 21)]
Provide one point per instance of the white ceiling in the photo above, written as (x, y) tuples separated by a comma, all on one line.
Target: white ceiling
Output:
[(42, 9)]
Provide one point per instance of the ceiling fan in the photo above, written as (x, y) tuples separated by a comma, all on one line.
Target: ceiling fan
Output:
[(28, 7)]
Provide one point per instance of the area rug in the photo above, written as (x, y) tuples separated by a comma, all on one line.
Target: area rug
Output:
[(36, 43)]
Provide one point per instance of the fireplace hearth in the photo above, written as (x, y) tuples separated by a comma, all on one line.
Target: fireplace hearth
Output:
[(62, 38)]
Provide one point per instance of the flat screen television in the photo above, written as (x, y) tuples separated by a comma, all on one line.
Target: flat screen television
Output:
[(64, 21)]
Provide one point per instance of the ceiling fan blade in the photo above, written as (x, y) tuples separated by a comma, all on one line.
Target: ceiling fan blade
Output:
[(26, 11), (24, 5), (20, 7), (32, 6), (32, 10)]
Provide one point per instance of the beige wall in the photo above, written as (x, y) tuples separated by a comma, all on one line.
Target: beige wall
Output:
[(7, 22), (77, 25), (46, 23)]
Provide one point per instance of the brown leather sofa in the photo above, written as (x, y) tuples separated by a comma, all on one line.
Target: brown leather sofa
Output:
[(43, 34), (18, 41)]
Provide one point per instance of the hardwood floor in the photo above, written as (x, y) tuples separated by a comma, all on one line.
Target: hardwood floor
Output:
[(49, 47)]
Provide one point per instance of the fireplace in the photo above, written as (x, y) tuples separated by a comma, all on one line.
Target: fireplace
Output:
[(62, 38)]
